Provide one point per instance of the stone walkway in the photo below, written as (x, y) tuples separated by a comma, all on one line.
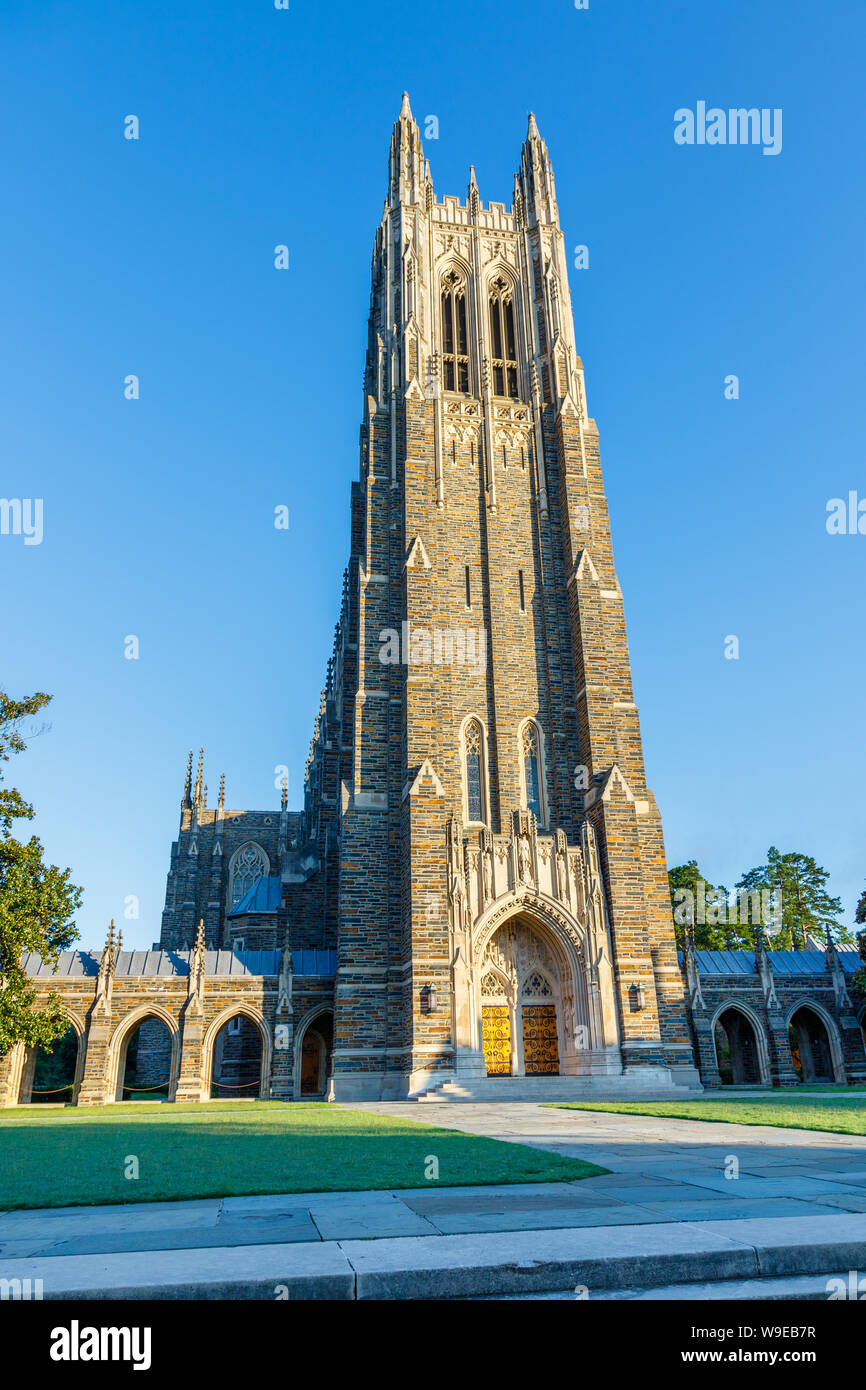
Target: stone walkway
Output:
[(662, 1171), (664, 1223)]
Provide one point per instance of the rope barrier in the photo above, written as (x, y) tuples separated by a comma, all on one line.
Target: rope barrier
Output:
[(35, 1090), (242, 1087), (145, 1088)]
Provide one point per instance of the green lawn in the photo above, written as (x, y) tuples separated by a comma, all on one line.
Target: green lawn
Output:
[(836, 1109), (52, 1156)]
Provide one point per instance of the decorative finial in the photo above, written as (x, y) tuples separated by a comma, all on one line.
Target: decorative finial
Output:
[(196, 796), (406, 109), (532, 131), (199, 936), (222, 795), (188, 783), (284, 796)]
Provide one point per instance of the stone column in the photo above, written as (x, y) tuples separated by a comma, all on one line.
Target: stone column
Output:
[(11, 1067)]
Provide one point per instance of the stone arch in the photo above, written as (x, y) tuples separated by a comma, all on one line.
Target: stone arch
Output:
[(500, 269), (119, 1042), (256, 1017), (30, 1055), (308, 1024), (837, 1062), (762, 1054), (452, 264), (583, 997)]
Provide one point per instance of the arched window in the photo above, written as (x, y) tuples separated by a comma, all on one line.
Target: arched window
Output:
[(473, 745), (503, 339), (533, 781), (248, 864), (455, 340)]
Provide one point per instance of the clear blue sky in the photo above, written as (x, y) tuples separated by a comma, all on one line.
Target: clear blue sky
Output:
[(155, 257)]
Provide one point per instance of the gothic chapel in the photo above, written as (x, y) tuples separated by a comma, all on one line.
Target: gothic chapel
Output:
[(474, 899), (490, 862)]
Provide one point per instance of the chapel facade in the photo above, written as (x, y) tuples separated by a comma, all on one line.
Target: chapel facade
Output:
[(473, 901)]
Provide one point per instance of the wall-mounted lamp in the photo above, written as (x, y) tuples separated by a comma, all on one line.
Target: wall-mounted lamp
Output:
[(638, 996), (429, 999)]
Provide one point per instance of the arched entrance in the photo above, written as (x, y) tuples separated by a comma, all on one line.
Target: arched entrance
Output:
[(526, 1003), (146, 1053), (811, 1046), (314, 1051), (237, 1059), (53, 1077), (738, 1051)]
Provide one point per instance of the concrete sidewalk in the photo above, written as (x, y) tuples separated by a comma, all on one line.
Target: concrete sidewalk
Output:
[(665, 1214)]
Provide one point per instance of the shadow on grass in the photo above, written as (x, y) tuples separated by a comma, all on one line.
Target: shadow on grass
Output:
[(251, 1151)]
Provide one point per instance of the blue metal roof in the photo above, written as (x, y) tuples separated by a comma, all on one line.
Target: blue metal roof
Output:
[(800, 963), (76, 964), (264, 896)]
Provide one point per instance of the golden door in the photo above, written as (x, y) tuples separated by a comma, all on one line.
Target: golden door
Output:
[(540, 1047), (497, 1039)]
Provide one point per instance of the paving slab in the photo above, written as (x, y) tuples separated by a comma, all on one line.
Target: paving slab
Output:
[(68, 1222), (359, 1223), (454, 1223), (732, 1210), (737, 1188), (111, 1242), (506, 1199)]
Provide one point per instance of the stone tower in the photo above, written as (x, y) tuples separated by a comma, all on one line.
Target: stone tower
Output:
[(503, 905)]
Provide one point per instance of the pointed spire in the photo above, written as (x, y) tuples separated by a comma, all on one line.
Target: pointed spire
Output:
[(284, 794), (185, 800), (473, 201), (406, 162), (199, 936), (197, 791), (109, 940), (536, 179), (222, 795)]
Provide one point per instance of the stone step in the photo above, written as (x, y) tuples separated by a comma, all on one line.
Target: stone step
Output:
[(763, 1257), (552, 1088), (812, 1288)]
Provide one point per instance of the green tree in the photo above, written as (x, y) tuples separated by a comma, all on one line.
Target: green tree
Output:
[(858, 980), (697, 902), (803, 907), (860, 910), (37, 900)]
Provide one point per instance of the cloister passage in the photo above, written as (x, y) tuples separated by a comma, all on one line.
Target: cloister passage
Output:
[(50, 1077), (237, 1060), (737, 1050), (144, 1062), (810, 1046)]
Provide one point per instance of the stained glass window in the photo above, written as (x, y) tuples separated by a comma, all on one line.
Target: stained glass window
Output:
[(474, 774)]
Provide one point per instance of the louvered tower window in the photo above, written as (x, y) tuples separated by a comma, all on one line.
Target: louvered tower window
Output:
[(455, 342)]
